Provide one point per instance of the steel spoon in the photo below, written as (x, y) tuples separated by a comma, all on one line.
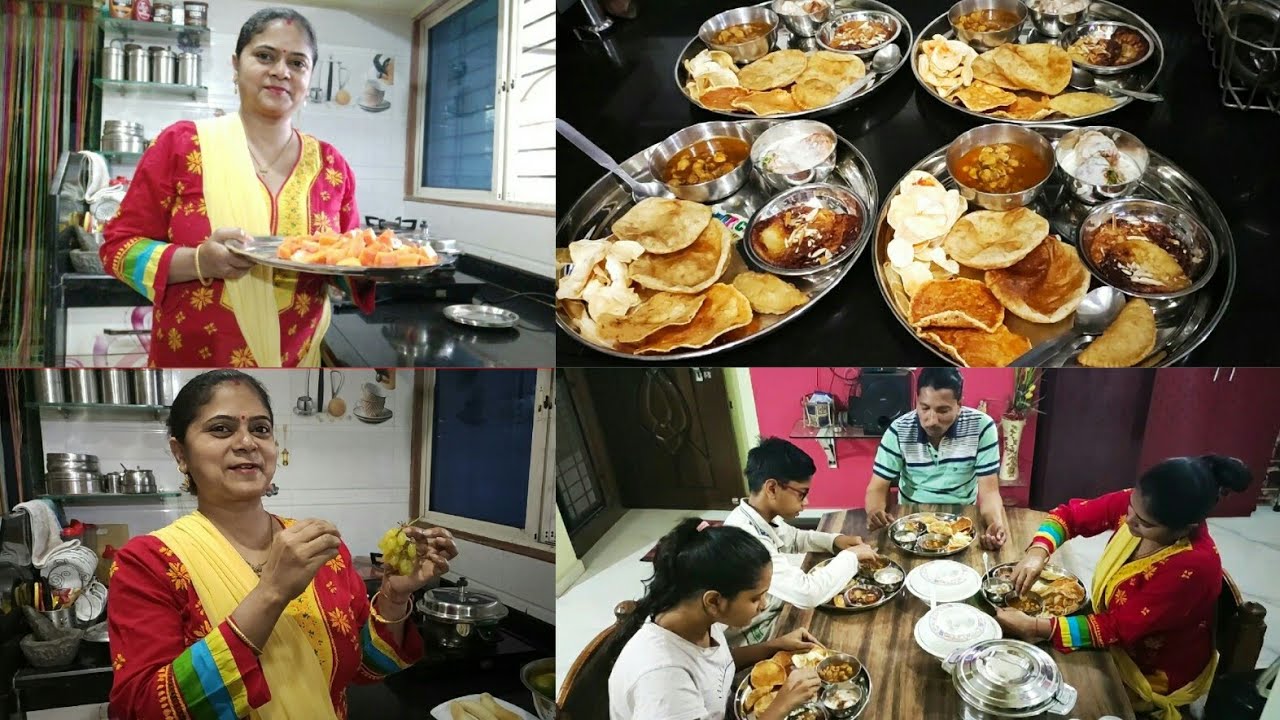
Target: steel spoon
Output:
[(639, 189), (885, 59), (1096, 312), (1082, 79)]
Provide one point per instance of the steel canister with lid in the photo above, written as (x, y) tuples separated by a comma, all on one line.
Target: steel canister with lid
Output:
[(162, 64), (113, 61), (189, 69), (136, 68)]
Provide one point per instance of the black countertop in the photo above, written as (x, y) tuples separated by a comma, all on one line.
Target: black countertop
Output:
[(624, 98), (408, 328)]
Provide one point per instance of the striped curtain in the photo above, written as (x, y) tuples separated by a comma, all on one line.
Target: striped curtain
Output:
[(47, 102)]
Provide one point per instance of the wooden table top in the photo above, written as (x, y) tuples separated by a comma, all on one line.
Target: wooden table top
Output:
[(907, 681)]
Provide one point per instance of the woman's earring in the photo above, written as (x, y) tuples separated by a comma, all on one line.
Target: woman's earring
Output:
[(186, 484), (272, 491)]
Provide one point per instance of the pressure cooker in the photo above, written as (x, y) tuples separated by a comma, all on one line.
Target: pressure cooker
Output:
[(457, 616), (999, 679)]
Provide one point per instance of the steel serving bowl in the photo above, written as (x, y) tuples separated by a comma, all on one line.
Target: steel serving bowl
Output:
[(1000, 133), (981, 41), (711, 190), (804, 24), (1184, 224), (837, 198), (1052, 24), (545, 705), (1127, 143), (1105, 29), (779, 133), (836, 659), (828, 30), (749, 50)]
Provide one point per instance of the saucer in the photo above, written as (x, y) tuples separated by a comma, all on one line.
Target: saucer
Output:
[(372, 419), (375, 108)]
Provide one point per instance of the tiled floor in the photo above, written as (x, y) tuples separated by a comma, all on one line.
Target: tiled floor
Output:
[(1250, 551)]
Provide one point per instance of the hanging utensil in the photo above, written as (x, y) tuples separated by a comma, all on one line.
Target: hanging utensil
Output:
[(306, 407), (320, 392), (284, 450), (337, 406)]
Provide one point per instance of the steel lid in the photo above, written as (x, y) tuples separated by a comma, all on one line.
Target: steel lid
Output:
[(460, 605), (71, 457), (1006, 675)]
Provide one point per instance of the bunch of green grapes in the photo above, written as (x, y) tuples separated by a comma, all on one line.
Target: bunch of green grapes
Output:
[(399, 551)]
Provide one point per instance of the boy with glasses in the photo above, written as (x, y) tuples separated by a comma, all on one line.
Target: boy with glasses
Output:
[(779, 476)]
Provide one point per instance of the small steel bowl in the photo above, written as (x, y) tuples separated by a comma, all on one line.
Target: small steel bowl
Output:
[(808, 710), (743, 52), (1127, 143), (807, 24), (835, 197), (712, 190), (769, 138), (888, 576), (989, 135), (828, 30), (981, 41), (934, 538), (851, 687), (996, 589), (848, 595), (1183, 222), (1054, 24), (836, 659), (1033, 598), (1105, 29)]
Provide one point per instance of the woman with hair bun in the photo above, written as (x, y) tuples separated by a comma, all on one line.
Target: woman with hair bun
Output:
[(674, 662), (1156, 587)]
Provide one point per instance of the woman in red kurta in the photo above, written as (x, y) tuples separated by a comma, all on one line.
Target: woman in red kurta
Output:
[(232, 612), (1155, 590), (161, 242)]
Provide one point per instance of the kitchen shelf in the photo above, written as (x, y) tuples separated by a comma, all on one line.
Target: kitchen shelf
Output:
[(144, 28), (130, 87), (109, 498), (117, 411), (837, 432), (124, 158)]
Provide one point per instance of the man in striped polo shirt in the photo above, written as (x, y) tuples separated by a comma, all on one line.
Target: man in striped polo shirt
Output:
[(941, 452)]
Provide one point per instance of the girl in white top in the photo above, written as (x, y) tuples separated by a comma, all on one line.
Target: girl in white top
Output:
[(675, 663)]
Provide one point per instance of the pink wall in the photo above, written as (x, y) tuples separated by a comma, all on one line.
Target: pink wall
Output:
[(778, 393)]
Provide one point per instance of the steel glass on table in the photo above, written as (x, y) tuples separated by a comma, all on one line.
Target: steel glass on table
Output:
[(909, 683)]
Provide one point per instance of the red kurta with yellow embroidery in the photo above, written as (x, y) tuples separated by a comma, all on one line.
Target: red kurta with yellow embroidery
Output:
[(171, 664), (1163, 615), (192, 325)]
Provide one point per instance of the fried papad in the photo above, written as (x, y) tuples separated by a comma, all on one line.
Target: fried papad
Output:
[(663, 309), (725, 309)]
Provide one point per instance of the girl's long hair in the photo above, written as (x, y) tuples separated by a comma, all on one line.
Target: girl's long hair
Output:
[(690, 562)]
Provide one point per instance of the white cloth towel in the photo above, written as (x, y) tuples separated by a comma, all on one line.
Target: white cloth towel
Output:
[(45, 530)]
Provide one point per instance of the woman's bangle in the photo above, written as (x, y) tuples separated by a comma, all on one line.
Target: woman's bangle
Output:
[(200, 275), (373, 611), (231, 623)]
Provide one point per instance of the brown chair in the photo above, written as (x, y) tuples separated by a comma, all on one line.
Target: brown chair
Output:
[(1239, 631), (584, 695)]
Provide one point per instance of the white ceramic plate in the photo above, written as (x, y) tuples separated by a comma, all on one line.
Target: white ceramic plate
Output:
[(954, 626), (441, 711), (947, 580)]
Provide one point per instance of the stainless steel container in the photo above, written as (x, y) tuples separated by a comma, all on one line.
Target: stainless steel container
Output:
[(116, 142), (750, 50), (113, 482), (84, 385), (71, 482), (115, 387), (138, 481), (136, 67), (535, 676), (999, 679), (804, 24), (113, 61), (122, 127), (49, 387), (982, 41), (146, 391), (168, 385), (162, 64), (189, 69), (456, 612)]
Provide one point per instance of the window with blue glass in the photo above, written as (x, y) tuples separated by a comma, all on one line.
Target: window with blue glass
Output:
[(482, 444), (461, 98)]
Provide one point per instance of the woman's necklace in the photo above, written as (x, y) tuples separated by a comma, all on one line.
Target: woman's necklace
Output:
[(262, 171)]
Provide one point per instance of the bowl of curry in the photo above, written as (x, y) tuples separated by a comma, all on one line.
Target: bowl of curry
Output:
[(703, 163), (1000, 166)]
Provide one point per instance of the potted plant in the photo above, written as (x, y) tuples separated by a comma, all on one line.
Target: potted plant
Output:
[(1021, 406)]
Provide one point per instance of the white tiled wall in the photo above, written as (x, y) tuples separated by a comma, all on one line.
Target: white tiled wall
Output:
[(340, 469), (373, 143)]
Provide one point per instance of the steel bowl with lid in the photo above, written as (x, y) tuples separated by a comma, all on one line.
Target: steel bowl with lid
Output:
[(1008, 679)]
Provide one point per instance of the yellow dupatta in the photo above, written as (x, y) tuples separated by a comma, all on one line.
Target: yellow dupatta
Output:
[(1113, 569), (299, 685), (233, 199)]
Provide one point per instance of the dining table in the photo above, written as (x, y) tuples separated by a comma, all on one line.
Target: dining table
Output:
[(906, 681)]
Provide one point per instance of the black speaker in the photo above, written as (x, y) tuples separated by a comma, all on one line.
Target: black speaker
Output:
[(885, 397)]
